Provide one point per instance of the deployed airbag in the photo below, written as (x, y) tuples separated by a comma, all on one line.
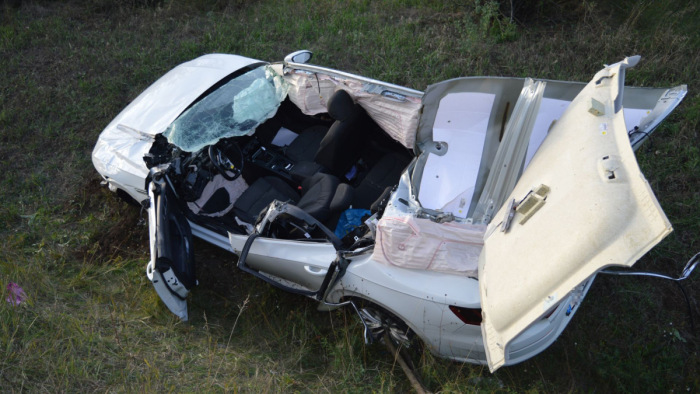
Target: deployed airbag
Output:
[(397, 117), (416, 243)]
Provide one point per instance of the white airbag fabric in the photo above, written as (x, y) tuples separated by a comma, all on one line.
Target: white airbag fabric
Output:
[(234, 189), (422, 244), (398, 118), (234, 109)]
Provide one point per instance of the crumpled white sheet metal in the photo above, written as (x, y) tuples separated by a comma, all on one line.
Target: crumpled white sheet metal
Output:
[(449, 180), (117, 156), (176, 304), (397, 117), (599, 212), (417, 243), (156, 107)]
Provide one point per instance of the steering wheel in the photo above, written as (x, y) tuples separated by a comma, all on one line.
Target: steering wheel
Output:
[(229, 163)]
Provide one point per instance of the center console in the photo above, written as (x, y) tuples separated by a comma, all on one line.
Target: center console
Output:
[(272, 160), (269, 159)]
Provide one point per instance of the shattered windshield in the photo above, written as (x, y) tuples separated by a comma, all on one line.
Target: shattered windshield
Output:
[(234, 109)]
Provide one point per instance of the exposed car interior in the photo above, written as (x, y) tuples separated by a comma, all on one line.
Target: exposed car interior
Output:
[(323, 164), (252, 140)]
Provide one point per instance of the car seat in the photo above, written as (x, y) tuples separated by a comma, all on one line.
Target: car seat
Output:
[(321, 196), (385, 173), (342, 145)]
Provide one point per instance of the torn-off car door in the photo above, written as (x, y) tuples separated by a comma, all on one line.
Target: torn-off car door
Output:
[(171, 269), (290, 250)]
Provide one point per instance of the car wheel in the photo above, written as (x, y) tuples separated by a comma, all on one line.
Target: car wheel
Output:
[(384, 326), (380, 321)]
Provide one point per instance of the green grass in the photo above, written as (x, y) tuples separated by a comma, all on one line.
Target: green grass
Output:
[(93, 321)]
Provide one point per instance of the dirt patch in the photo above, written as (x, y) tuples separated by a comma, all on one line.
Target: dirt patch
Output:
[(126, 236), (216, 270)]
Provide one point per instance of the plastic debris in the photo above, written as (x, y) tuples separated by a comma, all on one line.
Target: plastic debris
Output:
[(16, 294)]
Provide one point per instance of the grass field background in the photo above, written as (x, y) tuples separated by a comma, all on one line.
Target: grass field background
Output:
[(92, 321)]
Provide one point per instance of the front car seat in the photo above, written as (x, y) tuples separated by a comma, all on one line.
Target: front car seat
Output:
[(342, 145), (322, 195)]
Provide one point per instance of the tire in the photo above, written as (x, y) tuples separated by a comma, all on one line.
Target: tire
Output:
[(406, 347)]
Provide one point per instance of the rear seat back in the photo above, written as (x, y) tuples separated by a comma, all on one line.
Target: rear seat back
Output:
[(385, 173)]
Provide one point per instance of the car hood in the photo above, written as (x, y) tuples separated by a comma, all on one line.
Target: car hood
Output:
[(154, 109), (119, 150)]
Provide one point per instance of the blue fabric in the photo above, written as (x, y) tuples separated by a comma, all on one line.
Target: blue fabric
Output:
[(351, 173), (350, 219)]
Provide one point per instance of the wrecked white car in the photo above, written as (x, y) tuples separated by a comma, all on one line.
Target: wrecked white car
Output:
[(474, 215)]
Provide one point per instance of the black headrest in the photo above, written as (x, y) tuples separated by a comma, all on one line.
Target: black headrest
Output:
[(341, 106)]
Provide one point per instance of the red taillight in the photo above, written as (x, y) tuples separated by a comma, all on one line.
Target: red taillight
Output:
[(467, 315)]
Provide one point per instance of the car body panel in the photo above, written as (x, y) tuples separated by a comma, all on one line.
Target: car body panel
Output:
[(302, 263), (422, 297), (557, 238), (171, 268)]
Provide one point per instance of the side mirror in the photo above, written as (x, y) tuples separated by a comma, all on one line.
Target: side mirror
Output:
[(302, 56)]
